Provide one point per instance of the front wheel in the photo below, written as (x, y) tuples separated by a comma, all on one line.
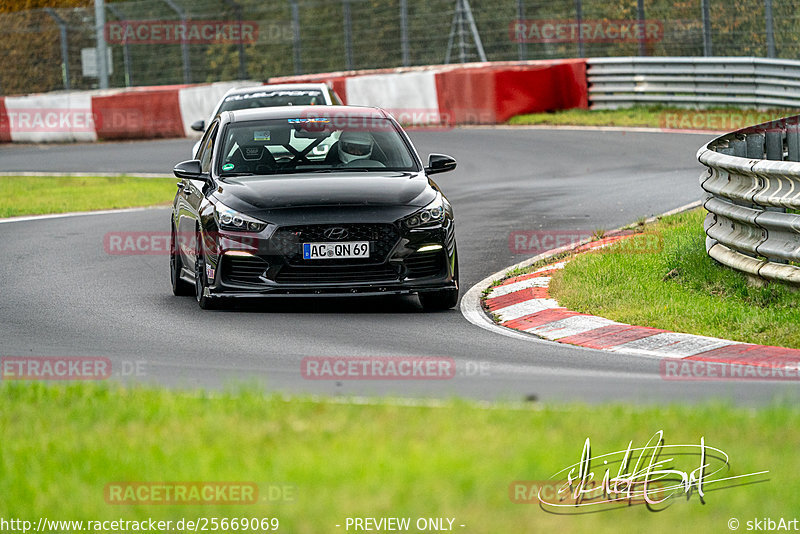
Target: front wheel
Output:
[(180, 287), (204, 301), (443, 299)]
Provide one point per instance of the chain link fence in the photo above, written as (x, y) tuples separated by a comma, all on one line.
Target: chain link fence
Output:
[(161, 42)]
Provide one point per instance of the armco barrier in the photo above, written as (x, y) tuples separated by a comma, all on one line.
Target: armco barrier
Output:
[(618, 82), (753, 178)]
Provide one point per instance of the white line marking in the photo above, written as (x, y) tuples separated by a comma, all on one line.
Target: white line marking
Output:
[(26, 218)]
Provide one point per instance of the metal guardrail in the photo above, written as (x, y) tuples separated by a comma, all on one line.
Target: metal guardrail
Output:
[(693, 81), (753, 183)]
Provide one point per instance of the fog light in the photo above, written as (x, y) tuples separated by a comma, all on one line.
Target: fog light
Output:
[(429, 248)]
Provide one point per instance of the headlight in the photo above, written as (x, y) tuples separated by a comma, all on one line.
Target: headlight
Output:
[(431, 214), (228, 219)]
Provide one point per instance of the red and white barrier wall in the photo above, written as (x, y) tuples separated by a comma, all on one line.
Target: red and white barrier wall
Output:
[(478, 93)]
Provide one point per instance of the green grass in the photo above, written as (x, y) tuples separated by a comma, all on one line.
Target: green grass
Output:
[(722, 119), (61, 445), (35, 195), (678, 288)]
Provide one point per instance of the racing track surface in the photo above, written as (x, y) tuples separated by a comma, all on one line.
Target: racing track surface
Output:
[(63, 295)]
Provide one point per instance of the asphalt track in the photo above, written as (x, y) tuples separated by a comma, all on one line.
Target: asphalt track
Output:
[(63, 295)]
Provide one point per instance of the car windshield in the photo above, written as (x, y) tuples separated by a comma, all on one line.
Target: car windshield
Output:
[(263, 99), (318, 144)]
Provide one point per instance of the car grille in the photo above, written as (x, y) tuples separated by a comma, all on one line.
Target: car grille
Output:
[(243, 269), (422, 264), (336, 274), (287, 241)]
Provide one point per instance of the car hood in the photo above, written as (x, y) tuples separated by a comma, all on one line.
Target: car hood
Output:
[(256, 194)]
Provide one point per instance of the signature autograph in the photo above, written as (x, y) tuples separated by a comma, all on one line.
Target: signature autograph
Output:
[(643, 475)]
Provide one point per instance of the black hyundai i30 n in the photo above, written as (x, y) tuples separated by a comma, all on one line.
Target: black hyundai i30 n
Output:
[(261, 214)]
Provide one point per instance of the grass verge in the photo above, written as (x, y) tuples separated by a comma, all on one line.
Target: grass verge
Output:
[(63, 444), (676, 286), (38, 195), (718, 119)]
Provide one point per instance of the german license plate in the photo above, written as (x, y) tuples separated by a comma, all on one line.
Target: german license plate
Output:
[(331, 251)]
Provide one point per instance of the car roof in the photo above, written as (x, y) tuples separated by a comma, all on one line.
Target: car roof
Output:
[(276, 87), (298, 112)]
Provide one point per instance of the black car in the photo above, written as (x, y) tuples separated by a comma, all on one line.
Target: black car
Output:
[(259, 214)]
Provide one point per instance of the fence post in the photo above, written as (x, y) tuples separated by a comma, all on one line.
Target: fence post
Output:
[(348, 35), (62, 28), (237, 9), (706, 28), (579, 19), (640, 15), (404, 52), (769, 28), (187, 68), (126, 53), (522, 49), (298, 60), (102, 50)]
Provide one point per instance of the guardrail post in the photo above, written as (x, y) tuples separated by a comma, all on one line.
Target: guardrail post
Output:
[(774, 141), (755, 145), (739, 147), (793, 141)]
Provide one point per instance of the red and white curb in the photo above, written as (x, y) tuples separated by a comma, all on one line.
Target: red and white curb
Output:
[(523, 305)]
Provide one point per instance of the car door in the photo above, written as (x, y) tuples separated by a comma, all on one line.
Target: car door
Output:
[(192, 195)]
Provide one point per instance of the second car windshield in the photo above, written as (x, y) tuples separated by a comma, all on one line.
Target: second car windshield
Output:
[(263, 99), (321, 144)]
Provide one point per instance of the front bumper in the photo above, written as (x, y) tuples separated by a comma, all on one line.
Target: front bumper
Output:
[(273, 265)]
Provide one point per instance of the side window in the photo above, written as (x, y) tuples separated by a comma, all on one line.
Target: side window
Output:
[(207, 148)]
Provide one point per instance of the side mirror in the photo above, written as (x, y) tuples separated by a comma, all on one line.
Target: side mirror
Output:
[(198, 126), (440, 163), (189, 169)]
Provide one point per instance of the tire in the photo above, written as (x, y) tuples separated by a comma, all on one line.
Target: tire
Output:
[(180, 287), (205, 302), (439, 300)]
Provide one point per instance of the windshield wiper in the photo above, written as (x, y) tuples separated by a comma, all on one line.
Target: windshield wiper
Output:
[(228, 174)]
